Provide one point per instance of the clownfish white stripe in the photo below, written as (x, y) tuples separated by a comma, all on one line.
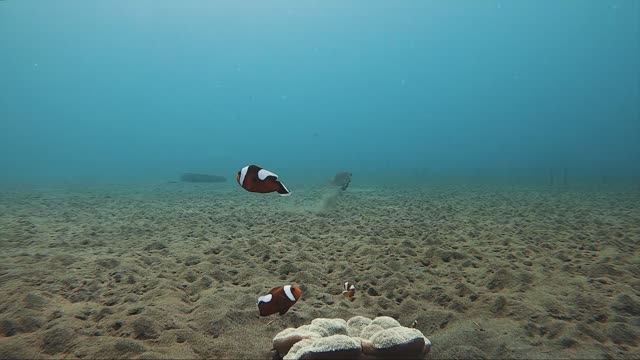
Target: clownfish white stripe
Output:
[(348, 286), (263, 174), (287, 291), (243, 174), (265, 298)]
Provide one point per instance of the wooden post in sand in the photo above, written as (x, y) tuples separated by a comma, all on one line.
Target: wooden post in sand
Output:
[(564, 177), (551, 177)]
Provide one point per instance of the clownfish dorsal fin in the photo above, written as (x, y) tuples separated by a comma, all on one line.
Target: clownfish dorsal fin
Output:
[(274, 289)]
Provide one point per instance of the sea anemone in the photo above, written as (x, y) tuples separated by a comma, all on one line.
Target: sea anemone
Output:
[(359, 337)]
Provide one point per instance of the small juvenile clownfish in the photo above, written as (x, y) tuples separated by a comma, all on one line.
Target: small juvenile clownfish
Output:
[(256, 179), (349, 291), (278, 300)]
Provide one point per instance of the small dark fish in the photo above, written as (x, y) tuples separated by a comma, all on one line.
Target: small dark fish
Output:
[(198, 178), (342, 179)]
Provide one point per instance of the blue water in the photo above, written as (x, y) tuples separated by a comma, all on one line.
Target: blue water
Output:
[(124, 91)]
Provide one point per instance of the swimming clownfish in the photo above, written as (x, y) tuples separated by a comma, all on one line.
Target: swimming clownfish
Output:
[(349, 291), (256, 179), (278, 300)]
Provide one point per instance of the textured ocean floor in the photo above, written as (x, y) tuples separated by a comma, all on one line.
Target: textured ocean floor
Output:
[(174, 271)]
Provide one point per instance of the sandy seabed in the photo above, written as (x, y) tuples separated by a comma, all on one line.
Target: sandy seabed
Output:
[(174, 270)]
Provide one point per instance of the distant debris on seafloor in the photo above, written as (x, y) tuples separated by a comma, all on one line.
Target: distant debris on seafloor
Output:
[(202, 178), (342, 179)]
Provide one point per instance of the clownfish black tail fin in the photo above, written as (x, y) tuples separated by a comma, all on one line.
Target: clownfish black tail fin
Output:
[(282, 190)]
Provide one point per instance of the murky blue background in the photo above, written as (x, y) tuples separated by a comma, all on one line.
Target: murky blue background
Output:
[(129, 91)]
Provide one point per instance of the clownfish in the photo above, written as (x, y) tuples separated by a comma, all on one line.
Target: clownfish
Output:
[(278, 300), (256, 179), (349, 291)]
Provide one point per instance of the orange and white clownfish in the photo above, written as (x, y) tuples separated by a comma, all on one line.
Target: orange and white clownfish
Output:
[(256, 179), (278, 300), (349, 291)]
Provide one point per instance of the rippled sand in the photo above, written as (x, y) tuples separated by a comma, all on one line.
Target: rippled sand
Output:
[(173, 271)]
